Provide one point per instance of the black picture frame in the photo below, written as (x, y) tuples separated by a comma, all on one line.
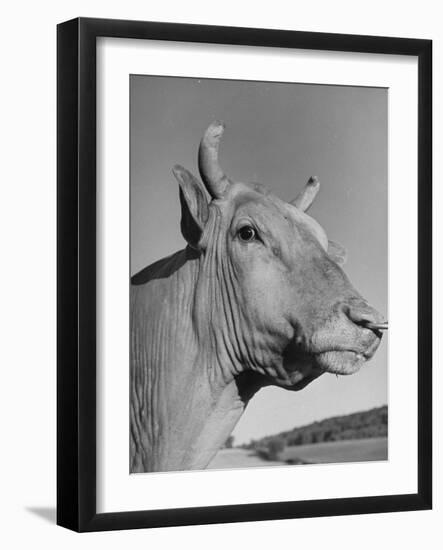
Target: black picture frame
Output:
[(76, 266)]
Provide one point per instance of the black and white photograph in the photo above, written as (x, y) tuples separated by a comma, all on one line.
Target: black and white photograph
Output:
[(221, 266), (258, 274)]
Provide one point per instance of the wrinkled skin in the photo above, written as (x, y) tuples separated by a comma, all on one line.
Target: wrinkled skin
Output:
[(257, 298)]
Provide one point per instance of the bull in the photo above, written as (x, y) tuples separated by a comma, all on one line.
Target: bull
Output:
[(258, 297)]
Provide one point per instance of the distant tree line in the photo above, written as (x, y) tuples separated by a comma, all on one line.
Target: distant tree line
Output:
[(361, 425)]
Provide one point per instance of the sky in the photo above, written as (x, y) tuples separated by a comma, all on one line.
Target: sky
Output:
[(278, 134)]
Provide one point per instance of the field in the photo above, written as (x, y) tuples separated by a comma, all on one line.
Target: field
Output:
[(359, 450), (354, 450)]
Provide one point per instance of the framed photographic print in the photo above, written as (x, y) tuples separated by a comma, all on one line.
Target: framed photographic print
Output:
[(240, 213)]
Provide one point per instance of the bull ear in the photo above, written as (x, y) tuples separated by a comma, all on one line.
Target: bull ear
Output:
[(337, 252), (194, 206)]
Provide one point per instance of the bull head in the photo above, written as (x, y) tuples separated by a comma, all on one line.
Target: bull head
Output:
[(279, 302)]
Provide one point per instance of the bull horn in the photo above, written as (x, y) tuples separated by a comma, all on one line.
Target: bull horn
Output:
[(215, 180), (305, 198)]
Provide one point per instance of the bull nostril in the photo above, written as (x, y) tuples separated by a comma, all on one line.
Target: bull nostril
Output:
[(365, 316), (360, 317)]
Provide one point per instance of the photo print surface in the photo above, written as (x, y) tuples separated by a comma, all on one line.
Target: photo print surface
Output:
[(259, 274)]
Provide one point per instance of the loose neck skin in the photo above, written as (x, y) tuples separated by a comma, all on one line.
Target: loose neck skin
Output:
[(186, 394)]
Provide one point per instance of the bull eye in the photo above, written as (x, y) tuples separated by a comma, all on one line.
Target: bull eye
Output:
[(247, 233)]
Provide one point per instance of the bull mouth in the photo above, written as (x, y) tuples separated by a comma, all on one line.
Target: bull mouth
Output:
[(344, 361), (302, 367), (340, 362), (311, 366)]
